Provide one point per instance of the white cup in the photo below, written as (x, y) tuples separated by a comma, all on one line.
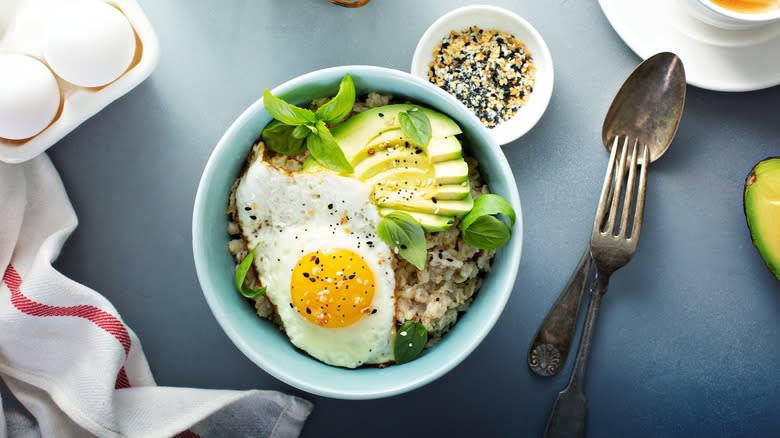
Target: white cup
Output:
[(713, 14)]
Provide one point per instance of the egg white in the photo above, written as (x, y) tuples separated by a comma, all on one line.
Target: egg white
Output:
[(286, 215)]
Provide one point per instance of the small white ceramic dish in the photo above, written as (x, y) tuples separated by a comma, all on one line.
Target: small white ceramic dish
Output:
[(491, 17), (21, 29), (715, 58), (716, 15)]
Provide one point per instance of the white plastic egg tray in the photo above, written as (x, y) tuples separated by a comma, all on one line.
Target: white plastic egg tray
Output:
[(20, 32)]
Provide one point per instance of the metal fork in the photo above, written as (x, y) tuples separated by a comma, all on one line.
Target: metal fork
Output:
[(612, 246)]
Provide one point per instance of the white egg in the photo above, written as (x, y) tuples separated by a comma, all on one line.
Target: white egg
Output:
[(89, 44), (29, 97), (328, 275)]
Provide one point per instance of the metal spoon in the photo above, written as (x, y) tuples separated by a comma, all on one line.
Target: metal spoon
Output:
[(648, 106)]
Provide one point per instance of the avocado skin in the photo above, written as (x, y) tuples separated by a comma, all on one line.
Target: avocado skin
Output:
[(764, 180)]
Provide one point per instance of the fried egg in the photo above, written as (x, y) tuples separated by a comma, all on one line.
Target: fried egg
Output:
[(326, 272)]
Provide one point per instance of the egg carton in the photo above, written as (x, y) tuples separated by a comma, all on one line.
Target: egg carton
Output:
[(20, 32)]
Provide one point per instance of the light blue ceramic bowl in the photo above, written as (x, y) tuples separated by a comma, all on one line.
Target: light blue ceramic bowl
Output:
[(261, 341)]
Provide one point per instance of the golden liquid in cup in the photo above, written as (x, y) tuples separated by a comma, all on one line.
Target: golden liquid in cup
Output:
[(749, 6)]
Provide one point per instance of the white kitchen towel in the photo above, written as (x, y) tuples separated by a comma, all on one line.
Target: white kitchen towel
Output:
[(71, 361)]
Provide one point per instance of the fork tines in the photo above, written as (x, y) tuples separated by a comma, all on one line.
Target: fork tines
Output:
[(614, 181)]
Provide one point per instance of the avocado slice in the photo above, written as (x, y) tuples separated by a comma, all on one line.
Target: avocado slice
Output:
[(429, 222), (453, 191), (354, 134), (391, 157), (451, 172), (438, 149), (762, 210), (445, 207)]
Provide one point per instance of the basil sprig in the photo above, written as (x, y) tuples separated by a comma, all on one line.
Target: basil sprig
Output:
[(241, 270), (405, 236), (336, 109), (287, 113), (282, 138), (489, 223), (321, 146), (296, 128), (409, 341), (415, 125)]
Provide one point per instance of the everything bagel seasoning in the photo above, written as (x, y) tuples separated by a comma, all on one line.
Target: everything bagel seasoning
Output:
[(490, 71)]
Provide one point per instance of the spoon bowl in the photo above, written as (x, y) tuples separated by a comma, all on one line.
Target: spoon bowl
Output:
[(649, 104)]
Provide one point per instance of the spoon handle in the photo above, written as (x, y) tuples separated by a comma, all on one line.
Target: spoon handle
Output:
[(550, 346), (567, 419)]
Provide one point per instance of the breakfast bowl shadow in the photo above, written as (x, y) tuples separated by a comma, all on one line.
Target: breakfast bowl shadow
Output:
[(262, 341)]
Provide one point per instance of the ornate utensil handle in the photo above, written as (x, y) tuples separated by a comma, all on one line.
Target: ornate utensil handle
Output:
[(567, 419), (550, 346)]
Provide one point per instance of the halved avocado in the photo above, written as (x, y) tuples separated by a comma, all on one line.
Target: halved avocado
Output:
[(762, 210)]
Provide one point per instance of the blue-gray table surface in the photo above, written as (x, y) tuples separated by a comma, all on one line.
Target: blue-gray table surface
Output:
[(688, 342)]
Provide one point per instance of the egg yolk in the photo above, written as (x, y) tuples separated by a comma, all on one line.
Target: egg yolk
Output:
[(332, 288)]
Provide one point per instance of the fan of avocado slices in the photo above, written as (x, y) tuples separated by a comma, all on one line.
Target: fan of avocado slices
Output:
[(428, 182)]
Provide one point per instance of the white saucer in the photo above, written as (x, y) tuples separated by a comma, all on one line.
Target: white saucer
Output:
[(715, 59)]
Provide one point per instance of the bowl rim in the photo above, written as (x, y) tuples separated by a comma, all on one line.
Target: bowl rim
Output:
[(201, 260), (420, 60)]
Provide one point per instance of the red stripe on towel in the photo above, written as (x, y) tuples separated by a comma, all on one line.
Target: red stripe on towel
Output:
[(121, 379), (100, 318)]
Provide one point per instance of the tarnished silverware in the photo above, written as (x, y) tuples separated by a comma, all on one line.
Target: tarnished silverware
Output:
[(646, 112), (612, 244), (648, 106), (551, 343)]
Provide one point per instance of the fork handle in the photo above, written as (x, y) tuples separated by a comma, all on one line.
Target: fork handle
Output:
[(569, 412), (552, 342)]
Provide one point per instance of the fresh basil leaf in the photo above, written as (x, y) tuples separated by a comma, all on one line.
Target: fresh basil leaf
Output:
[(486, 232), (489, 223), (280, 138), (406, 236), (336, 109), (409, 341), (241, 271), (301, 131), (323, 148), (285, 112), (415, 125)]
